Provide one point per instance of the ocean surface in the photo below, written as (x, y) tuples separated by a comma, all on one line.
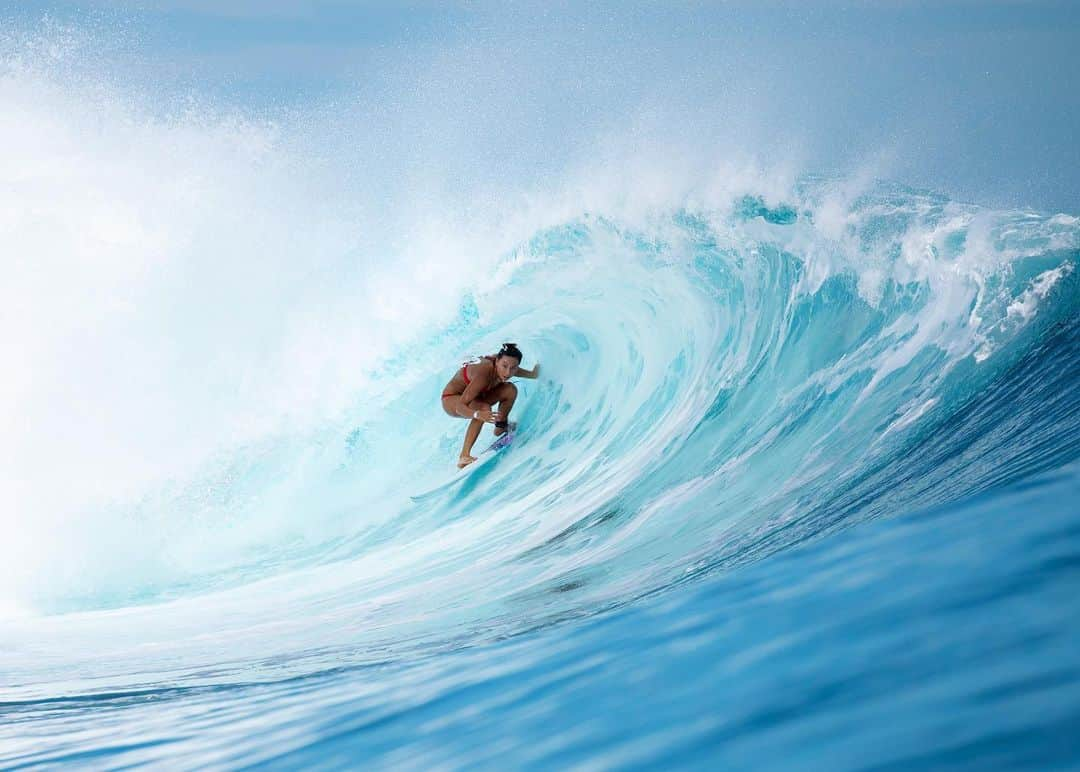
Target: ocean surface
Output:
[(797, 485)]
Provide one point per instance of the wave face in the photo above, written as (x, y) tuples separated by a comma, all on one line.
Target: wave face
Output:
[(797, 452)]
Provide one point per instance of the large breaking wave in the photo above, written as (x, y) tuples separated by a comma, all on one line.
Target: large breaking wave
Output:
[(223, 392)]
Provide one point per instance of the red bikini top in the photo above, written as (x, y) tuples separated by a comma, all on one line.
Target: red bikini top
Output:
[(465, 366)]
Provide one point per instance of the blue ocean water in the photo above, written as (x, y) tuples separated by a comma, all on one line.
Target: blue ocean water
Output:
[(797, 485), (752, 518)]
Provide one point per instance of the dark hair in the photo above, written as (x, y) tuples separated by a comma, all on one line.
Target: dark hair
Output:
[(510, 350)]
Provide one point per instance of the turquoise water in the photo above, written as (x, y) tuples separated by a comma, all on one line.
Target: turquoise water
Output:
[(796, 487), (780, 495)]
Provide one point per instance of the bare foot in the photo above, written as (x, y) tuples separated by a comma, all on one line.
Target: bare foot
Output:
[(464, 461)]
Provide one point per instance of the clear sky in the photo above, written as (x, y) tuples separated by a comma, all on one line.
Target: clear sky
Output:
[(980, 99)]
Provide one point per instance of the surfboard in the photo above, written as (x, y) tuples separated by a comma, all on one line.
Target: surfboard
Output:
[(483, 458), (501, 442)]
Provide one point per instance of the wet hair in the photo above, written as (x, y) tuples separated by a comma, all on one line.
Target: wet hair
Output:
[(510, 350)]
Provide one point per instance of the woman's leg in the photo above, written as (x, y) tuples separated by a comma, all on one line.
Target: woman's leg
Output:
[(450, 404), (504, 394), (466, 457)]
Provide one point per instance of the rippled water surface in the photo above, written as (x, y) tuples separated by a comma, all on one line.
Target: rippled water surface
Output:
[(797, 484)]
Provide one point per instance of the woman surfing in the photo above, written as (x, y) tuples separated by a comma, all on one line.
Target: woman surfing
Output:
[(480, 384)]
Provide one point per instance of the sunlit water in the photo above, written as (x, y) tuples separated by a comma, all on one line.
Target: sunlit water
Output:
[(797, 484)]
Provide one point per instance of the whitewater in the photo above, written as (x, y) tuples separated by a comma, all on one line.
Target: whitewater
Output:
[(797, 484)]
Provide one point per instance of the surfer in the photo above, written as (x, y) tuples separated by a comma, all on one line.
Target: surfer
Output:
[(480, 384)]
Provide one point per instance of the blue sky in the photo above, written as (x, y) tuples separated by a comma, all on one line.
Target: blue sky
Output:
[(979, 99)]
